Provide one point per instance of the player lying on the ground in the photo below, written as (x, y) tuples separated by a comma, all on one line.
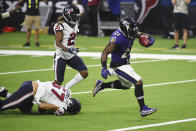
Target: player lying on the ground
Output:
[(48, 95), (120, 46)]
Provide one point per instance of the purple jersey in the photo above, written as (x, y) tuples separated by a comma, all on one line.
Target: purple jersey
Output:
[(121, 55)]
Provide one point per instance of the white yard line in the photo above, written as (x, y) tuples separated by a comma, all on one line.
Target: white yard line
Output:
[(175, 82), (26, 71), (154, 125), (159, 84), (17, 72), (98, 54), (5, 55)]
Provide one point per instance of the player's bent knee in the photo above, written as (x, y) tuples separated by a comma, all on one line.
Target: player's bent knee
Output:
[(139, 83), (84, 73)]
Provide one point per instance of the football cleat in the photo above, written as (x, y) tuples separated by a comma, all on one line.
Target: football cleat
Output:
[(98, 87), (26, 45), (176, 47), (147, 111), (37, 44), (3, 92), (183, 46)]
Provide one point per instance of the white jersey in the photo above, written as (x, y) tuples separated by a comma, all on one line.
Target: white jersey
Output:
[(49, 92), (69, 38), (181, 7)]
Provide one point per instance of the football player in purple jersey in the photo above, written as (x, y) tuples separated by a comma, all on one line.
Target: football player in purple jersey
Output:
[(119, 47)]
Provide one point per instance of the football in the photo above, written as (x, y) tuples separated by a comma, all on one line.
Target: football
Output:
[(143, 40)]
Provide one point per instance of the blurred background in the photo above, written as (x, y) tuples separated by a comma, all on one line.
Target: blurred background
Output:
[(154, 16)]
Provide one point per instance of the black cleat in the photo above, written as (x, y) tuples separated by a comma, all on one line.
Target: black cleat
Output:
[(37, 44), (26, 45), (3, 92), (183, 46), (176, 47)]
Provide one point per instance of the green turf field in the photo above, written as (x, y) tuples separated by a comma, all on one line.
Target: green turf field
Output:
[(169, 85)]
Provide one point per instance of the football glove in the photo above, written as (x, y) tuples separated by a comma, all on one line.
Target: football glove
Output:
[(60, 111), (105, 73), (73, 50), (151, 41)]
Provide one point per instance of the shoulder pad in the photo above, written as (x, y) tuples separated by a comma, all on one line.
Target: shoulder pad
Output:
[(59, 25), (60, 22)]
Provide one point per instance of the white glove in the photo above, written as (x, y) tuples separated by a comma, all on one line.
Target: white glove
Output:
[(60, 111)]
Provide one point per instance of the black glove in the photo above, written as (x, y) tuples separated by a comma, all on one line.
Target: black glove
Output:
[(73, 50)]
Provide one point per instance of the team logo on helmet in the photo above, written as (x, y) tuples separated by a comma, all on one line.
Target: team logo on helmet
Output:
[(71, 13)]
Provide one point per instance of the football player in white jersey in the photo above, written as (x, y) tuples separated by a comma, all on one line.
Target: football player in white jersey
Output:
[(66, 30), (48, 95)]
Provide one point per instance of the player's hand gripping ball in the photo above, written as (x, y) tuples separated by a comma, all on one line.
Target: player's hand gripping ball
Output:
[(144, 40)]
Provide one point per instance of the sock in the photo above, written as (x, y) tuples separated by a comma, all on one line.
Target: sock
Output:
[(115, 85), (77, 78), (139, 93), (141, 102)]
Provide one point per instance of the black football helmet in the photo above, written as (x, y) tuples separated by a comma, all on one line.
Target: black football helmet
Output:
[(74, 106), (71, 13), (129, 27)]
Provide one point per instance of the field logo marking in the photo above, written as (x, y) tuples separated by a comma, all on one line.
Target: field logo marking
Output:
[(154, 125)]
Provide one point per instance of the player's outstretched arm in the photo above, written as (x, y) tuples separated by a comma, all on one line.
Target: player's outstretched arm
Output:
[(42, 107)]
